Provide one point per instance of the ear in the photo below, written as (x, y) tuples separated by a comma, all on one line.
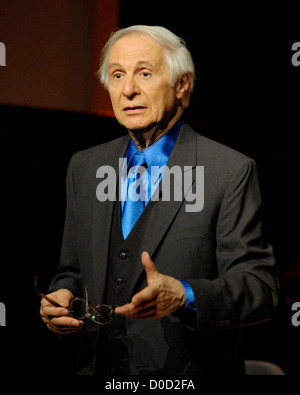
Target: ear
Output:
[(182, 86)]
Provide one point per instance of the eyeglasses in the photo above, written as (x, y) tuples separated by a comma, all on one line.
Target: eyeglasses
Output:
[(80, 309)]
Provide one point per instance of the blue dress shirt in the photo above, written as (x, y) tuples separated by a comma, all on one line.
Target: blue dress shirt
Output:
[(157, 156)]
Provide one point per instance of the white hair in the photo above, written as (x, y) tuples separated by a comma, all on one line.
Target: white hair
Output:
[(178, 57)]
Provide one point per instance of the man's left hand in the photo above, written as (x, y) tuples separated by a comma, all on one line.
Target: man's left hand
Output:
[(163, 295)]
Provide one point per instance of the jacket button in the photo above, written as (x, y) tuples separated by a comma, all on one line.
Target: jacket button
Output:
[(118, 281), (122, 255)]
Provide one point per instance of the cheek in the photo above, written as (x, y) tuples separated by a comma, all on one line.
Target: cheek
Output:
[(113, 98), (165, 103), (162, 99)]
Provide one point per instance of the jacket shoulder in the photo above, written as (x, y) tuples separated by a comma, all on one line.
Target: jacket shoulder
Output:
[(209, 150), (103, 149), (100, 154)]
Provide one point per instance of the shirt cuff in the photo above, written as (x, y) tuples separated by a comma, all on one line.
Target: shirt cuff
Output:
[(189, 295)]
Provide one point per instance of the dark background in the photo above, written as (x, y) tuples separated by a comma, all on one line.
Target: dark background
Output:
[(246, 96)]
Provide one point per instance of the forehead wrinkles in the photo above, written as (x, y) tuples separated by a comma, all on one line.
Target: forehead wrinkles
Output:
[(135, 50)]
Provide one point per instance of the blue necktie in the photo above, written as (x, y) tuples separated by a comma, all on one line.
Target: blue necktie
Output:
[(137, 192)]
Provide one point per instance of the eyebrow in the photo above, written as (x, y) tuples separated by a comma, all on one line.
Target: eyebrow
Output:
[(139, 63)]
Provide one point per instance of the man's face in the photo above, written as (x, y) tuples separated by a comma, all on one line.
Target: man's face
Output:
[(139, 86)]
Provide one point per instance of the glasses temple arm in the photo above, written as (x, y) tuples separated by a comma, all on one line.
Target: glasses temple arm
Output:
[(42, 295)]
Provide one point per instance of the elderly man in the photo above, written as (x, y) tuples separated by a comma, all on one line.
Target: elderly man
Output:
[(151, 285)]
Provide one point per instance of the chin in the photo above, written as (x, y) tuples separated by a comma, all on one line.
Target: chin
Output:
[(138, 126)]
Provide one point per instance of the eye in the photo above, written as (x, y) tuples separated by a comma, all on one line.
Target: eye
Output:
[(145, 74), (117, 76)]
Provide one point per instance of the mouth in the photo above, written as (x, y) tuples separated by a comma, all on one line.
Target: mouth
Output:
[(133, 109)]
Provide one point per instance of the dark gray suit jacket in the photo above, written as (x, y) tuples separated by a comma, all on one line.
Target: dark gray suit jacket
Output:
[(220, 250)]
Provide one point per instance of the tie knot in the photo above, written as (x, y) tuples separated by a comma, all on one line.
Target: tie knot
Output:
[(138, 159)]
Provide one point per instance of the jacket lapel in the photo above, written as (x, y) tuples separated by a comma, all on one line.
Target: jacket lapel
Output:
[(158, 215)]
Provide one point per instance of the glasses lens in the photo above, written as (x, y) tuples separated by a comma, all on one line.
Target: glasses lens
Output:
[(104, 316), (78, 308)]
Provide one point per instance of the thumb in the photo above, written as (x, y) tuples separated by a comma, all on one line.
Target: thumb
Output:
[(64, 297), (149, 266)]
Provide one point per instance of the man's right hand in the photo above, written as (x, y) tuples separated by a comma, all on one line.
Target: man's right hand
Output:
[(56, 318)]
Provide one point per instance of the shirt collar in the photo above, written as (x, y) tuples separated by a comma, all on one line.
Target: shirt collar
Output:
[(158, 153)]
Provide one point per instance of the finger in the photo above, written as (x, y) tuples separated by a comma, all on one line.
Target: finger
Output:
[(63, 330), (132, 309), (147, 312), (62, 297), (149, 266), (146, 305), (66, 321), (147, 294), (127, 309), (132, 312), (50, 310)]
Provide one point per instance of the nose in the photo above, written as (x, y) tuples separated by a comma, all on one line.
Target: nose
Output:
[(130, 87)]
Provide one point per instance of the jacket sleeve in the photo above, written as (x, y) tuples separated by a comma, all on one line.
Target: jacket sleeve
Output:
[(246, 289), (68, 275)]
